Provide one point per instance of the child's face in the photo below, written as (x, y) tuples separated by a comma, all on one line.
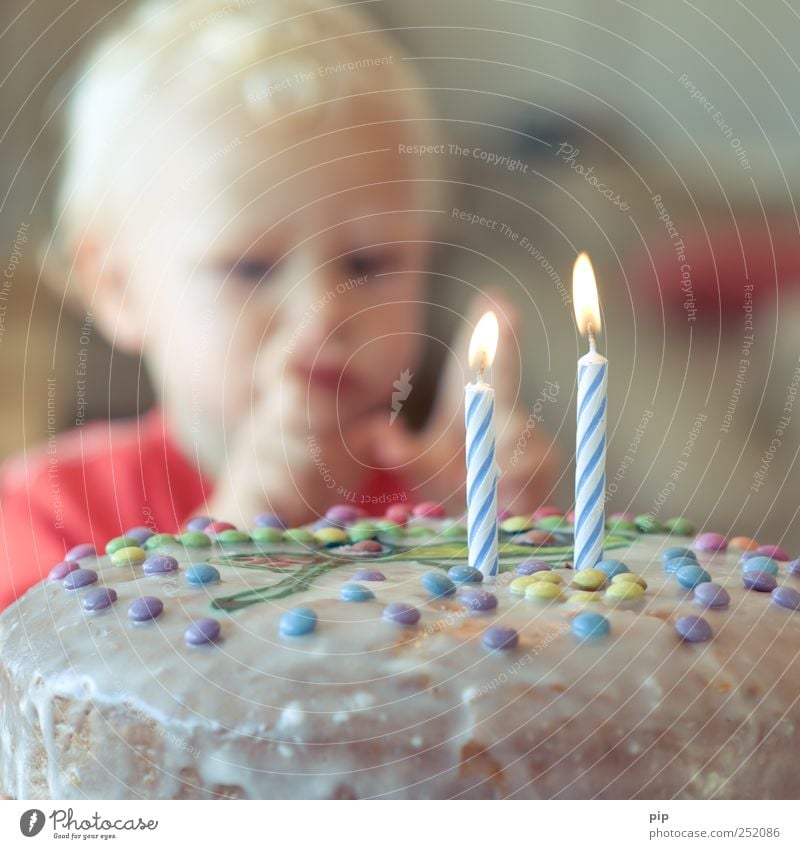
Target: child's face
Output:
[(258, 257)]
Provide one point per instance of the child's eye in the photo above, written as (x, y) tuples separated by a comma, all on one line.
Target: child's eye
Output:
[(363, 264), (252, 270)]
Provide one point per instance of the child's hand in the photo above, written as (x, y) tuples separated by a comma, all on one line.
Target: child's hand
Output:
[(433, 459), (278, 462)]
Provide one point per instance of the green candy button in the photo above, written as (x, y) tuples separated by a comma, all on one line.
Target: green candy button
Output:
[(194, 539)]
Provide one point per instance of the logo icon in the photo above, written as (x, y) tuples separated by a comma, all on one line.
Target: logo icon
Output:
[(31, 822), (402, 389)]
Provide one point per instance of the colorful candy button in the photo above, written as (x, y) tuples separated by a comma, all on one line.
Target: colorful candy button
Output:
[(691, 576), (648, 524), (198, 523), (398, 513), (693, 629), (367, 546), (233, 537), (542, 591), (202, 631), (629, 577), (355, 592), (710, 542), (194, 539), (429, 510), (392, 529), (266, 535), (519, 585), (773, 551), (438, 584), (590, 626), (401, 613), (215, 528), (712, 595), (762, 582), (454, 529), (120, 542), (201, 573), (342, 514), (78, 552), (79, 578), (677, 551), (625, 591), (299, 535), (611, 567), (159, 564), (531, 566), (465, 575), (516, 524), (62, 569), (675, 563), (269, 520), (362, 533), (479, 600), (369, 575), (793, 567), (760, 564), (622, 526), (145, 608), (298, 622), (330, 536), (680, 526), (546, 577), (584, 597), (499, 638), (743, 544), (99, 599), (160, 540), (140, 534), (129, 556), (589, 579), (786, 597)]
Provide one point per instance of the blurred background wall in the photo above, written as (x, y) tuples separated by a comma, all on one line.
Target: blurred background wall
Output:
[(662, 138)]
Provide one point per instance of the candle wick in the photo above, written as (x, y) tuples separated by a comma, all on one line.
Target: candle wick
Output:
[(592, 340)]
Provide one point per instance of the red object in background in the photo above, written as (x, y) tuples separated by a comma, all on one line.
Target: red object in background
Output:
[(101, 479), (706, 270)]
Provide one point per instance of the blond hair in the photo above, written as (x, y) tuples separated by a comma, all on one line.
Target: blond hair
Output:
[(278, 57)]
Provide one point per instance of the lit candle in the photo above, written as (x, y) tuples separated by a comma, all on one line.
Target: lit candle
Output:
[(590, 454), (481, 466)]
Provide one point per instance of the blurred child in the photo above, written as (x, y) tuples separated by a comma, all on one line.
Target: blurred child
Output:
[(247, 205)]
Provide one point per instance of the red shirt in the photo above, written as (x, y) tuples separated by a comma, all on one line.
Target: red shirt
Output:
[(92, 483)]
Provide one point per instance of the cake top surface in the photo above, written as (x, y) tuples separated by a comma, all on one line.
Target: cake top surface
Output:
[(345, 633)]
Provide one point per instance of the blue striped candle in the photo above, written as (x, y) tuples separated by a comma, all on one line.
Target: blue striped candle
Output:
[(590, 454), (481, 464)]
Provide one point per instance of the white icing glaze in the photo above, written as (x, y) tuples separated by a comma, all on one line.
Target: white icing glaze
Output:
[(98, 706)]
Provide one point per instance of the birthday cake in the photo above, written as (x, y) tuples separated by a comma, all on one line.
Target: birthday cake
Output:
[(365, 659)]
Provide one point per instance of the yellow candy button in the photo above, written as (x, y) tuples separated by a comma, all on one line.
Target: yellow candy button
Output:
[(330, 535), (130, 556), (543, 590), (518, 585), (625, 591), (629, 578), (582, 597), (589, 579), (547, 577)]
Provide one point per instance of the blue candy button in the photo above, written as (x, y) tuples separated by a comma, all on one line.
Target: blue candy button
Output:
[(589, 626), (761, 564), (691, 575), (298, 621), (355, 592), (612, 567), (465, 575), (438, 584), (201, 573)]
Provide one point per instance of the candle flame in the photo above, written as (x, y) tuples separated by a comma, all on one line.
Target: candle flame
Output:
[(584, 295), (483, 346)]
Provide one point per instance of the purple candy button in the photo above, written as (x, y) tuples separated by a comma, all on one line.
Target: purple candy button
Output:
[(479, 600), (79, 578), (402, 613), (710, 542), (531, 566), (500, 637), (198, 523), (159, 564), (99, 599), (693, 629), (145, 608), (786, 597), (201, 632), (270, 520), (712, 595), (369, 575), (793, 567), (341, 514), (140, 534), (62, 569), (762, 582), (773, 551), (84, 549)]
